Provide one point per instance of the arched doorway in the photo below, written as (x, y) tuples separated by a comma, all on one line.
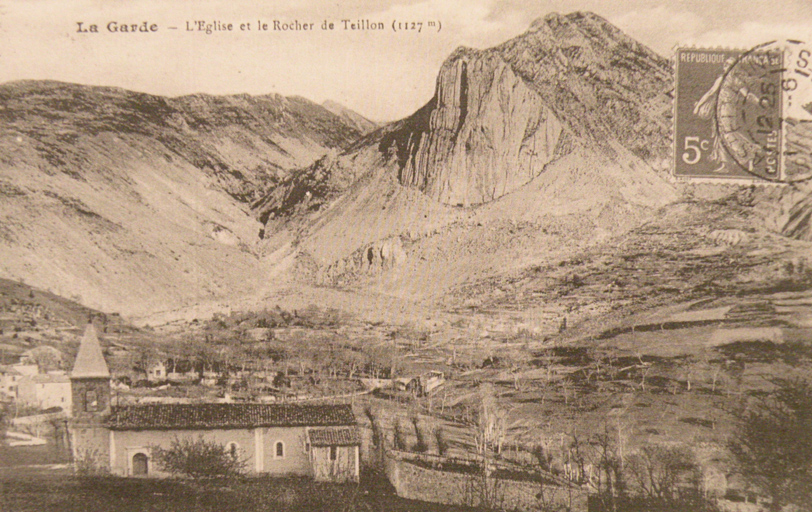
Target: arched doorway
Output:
[(140, 464)]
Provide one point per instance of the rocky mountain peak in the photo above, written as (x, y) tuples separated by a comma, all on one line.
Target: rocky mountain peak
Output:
[(554, 21), (499, 116)]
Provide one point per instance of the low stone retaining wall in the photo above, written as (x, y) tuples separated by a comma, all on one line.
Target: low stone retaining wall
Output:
[(21, 439), (37, 419), (415, 482)]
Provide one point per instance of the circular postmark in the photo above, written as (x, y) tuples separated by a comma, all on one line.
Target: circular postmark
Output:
[(764, 111)]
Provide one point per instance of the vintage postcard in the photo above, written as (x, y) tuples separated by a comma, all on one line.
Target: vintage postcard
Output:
[(432, 255)]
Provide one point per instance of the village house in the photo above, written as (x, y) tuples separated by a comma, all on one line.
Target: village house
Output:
[(321, 441), (156, 371), (9, 380), (173, 370), (45, 391)]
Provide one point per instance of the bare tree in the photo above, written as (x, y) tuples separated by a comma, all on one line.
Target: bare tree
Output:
[(491, 422), (606, 457), (566, 389), (516, 361), (658, 471)]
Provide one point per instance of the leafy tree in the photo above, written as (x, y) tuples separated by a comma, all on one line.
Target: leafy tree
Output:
[(422, 444), (441, 440), (400, 437), (198, 459), (88, 463), (773, 443), (46, 358)]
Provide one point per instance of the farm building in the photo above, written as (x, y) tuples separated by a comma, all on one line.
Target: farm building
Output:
[(321, 441), (420, 385)]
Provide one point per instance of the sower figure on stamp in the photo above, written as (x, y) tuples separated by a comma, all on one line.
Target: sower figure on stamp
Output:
[(705, 108)]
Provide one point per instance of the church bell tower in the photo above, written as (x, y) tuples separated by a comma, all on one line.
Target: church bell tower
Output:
[(90, 381), (91, 440)]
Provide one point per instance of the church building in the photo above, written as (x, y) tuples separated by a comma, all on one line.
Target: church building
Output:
[(321, 441)]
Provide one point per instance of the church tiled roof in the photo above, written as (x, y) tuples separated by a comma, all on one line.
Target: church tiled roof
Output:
[(335, 436), (225, 416)]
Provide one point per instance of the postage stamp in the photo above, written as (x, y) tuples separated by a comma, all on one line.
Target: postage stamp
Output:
[(711, 117), (744, 114)]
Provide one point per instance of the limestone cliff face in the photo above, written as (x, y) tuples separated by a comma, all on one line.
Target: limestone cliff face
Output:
[(487, 133), (499, 116)]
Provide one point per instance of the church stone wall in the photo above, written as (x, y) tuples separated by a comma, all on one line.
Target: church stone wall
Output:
[(91, 447)]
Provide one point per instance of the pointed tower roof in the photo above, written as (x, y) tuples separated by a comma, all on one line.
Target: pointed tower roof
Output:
[(90, 360)]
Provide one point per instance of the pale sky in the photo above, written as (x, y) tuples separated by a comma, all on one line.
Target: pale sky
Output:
[(384, 75)]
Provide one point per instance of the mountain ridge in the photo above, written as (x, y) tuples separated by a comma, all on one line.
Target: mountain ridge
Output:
[(136, 203), (243, 141), (350, 117)]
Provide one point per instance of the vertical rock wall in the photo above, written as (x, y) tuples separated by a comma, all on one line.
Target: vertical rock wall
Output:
[(485, 133)]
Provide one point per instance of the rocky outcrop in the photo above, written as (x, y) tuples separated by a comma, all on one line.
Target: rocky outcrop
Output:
[(729, 237), (499, 116), (799, 223), (486, 133), (373, 259), (383, 254), (608, 88), (784, 209)]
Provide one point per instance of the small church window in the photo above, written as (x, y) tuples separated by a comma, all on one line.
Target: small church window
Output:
[(280, 449), (91, 401), (233, 450), (333, 452)]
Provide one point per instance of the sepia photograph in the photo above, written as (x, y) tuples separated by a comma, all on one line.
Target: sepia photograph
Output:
[(406, 256)]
